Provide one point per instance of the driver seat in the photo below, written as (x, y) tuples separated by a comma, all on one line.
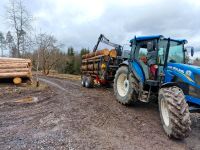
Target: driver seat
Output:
[(145, 69)]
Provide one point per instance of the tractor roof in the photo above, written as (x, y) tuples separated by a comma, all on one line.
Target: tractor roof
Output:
[(178, 40), (145, 38)]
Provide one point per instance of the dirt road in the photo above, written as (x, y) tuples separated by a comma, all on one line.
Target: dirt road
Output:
[(68, 116)]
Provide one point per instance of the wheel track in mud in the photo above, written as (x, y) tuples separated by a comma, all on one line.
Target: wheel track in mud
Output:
[(82, 118), (106, 115)]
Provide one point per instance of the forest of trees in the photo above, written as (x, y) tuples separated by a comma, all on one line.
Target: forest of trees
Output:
[(45, 51)]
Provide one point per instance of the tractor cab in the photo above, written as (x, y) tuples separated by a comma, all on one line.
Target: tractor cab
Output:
[(158, 69), (151, 54)]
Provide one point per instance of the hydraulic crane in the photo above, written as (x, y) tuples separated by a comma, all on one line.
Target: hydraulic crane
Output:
[(105, 40)]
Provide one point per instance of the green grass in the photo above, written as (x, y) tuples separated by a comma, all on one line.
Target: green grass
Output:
[(65, 76)]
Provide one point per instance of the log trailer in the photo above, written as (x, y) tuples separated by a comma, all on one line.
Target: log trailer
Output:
[(101, 65)]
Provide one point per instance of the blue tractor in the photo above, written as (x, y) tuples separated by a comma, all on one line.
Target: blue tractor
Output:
[(158, 67)]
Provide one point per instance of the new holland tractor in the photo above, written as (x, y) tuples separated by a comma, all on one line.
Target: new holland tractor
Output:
[(157, 67)]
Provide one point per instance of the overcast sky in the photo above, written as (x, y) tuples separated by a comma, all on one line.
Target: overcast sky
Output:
[(78, 23)]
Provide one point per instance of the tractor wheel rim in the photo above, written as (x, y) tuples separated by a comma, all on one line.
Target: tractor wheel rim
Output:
[(86, 84), (126, 85), (165, 112), (122, 85)]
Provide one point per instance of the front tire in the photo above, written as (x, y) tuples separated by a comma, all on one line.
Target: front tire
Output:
[(124, 86), (174, 112)]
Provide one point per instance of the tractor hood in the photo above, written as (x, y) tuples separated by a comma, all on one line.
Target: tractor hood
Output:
[(188, 78), (185, 67), (184, 70)]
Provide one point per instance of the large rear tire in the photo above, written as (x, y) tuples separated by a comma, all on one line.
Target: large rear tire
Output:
[(89, 82), (124, 86), (83, 79), (174, 112)]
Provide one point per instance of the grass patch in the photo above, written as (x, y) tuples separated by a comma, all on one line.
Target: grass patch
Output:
[(65, 76)]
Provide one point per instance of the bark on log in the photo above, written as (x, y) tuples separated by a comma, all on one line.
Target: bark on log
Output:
[(14, 65), (95, 57), (90, 67), (13, 59), (9, 62), (15, 70), (91, 60), (103, 52), (15, 74)]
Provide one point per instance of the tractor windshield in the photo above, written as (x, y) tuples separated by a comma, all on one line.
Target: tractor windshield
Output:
[(176, 52)]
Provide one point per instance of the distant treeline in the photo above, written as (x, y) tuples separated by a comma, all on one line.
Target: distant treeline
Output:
[(62, 62)]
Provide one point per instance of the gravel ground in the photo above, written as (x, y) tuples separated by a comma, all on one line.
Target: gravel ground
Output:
[(68, 116)]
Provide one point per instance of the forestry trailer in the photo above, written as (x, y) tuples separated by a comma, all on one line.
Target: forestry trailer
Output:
[(157, 67), (101, 65)]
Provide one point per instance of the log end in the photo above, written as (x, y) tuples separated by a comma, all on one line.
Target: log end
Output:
[(113, 53), (17, 80)]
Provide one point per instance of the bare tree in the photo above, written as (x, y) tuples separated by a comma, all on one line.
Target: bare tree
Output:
[(10, 44), (20, 20), (2, 43), (48, 52)]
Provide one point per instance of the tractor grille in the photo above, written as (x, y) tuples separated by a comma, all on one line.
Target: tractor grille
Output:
[(194, 91), (197, 79)]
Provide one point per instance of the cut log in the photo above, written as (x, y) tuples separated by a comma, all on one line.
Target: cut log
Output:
[(4, 60), (17, 80), (91, 60), (113, 53), (15, 70), (12, 59), (14, 65), (15, 74), (90, 67), (7, 62), (103, 52), (15, 60)]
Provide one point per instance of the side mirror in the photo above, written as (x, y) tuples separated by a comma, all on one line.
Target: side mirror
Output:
[(192, 51)]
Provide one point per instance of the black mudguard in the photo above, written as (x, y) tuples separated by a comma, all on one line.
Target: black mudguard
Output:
[(124, 63), (169, 84)]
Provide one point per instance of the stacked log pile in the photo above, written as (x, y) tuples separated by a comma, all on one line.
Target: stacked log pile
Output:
[(15, 68), (95, 63)]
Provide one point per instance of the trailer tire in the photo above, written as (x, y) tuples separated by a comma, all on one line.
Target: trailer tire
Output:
[(174, 112), (89, 82), (83, 79), (124, 89)]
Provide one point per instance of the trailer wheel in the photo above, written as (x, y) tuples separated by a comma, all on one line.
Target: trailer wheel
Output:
[(124, 89), (89, 82), (83, 79), (174, 112)]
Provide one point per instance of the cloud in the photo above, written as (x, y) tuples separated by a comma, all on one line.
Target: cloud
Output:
[(78, 23)]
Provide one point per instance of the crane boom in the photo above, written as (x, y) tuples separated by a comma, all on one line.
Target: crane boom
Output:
[(104, 40)]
